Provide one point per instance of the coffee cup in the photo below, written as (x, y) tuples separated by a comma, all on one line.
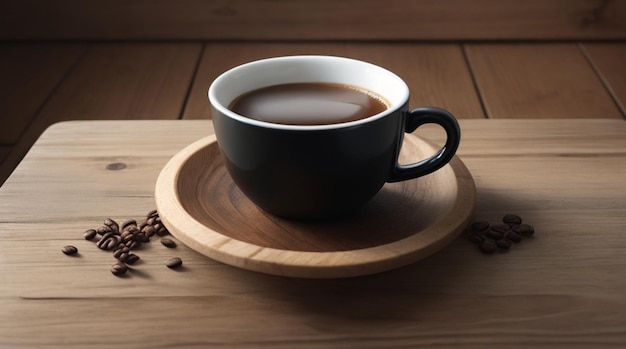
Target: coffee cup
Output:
[(302, 149)]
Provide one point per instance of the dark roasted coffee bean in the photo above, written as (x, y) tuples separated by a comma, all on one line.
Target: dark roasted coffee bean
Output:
[(494, 234), (133, 229), (480, 226), (70, 250), (487, 247), (109, 241), (133, 244), (150, 221), (112, 224), (174, 263), (128, 223), (513, 236), (148, 230), (140, 237), (90, 234), (512, 219), (131, 258), (122, 257), (152, 213), (103, 229), (119, 269), (120, 250), (162, 231), (168, 242), (525, 230), (476, 238), (503, 244)]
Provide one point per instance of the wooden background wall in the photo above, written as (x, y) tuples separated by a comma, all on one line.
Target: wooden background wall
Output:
[(312, 19)]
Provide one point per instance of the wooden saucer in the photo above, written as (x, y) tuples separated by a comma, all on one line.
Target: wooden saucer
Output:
[(406, 221)]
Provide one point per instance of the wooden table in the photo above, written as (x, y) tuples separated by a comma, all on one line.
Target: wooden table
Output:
[(563, 288)]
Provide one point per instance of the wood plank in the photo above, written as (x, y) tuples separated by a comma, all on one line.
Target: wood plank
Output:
[(117, 81), (306, 19), (538, 81), (609, 59), (437, 74), (28, 74), (561, 177)]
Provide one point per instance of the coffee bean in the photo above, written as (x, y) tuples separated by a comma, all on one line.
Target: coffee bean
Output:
[(109, 241), (131, 258), (103, 229), (512, 219), (513, 236), (168, 242), (503, 244), (111, 224), (490, 237), (525, 230), (152, 213), (128, 223), (133, 244), (90, 234), (480, 226), (476, 238), (121, 250), (487, 247), (70, 250), (148, 230), (174, 263), (161, 231), (497, 232), (119, 269)]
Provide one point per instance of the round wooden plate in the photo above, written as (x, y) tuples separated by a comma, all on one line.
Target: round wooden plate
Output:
[(406, 221)]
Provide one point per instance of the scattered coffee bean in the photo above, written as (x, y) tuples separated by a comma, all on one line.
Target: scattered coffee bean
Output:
[(480, 226), (90, 234), (476, 238), (112, 224), (513, 236), (503, 244), (494, 234), (168, 242), (128, 223), (70, 250), (119, 269), (512, 219), (131, 258), (174, 263), (490, 237), (123, 239), (525, 230), (109, 241)]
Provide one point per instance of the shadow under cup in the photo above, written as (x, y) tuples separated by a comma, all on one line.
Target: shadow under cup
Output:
[(316, 171)]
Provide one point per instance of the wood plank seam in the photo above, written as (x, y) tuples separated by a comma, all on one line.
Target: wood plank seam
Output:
[(192, 82), (474, 82), (602, 77)]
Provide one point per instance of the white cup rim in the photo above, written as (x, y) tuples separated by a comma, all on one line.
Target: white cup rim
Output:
[(262, 73)]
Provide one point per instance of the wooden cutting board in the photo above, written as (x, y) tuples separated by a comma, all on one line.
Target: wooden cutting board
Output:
[(406, 221)]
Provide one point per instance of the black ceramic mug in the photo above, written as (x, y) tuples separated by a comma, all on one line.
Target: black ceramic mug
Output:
[(326, 170)]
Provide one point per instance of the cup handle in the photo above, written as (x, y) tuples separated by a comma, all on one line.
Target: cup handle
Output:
[(415, 119)]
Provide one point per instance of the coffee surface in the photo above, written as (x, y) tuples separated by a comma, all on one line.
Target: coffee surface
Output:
[(309, 104)]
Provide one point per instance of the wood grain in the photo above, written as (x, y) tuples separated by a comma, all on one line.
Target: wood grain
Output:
[(29, 74), (437, 74), (403, 223), (608, 59), (560, 289), (313, 20), (538, 81), (116, 81)]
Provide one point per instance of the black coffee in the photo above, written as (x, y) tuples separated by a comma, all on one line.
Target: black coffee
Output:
[(309, 104)]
